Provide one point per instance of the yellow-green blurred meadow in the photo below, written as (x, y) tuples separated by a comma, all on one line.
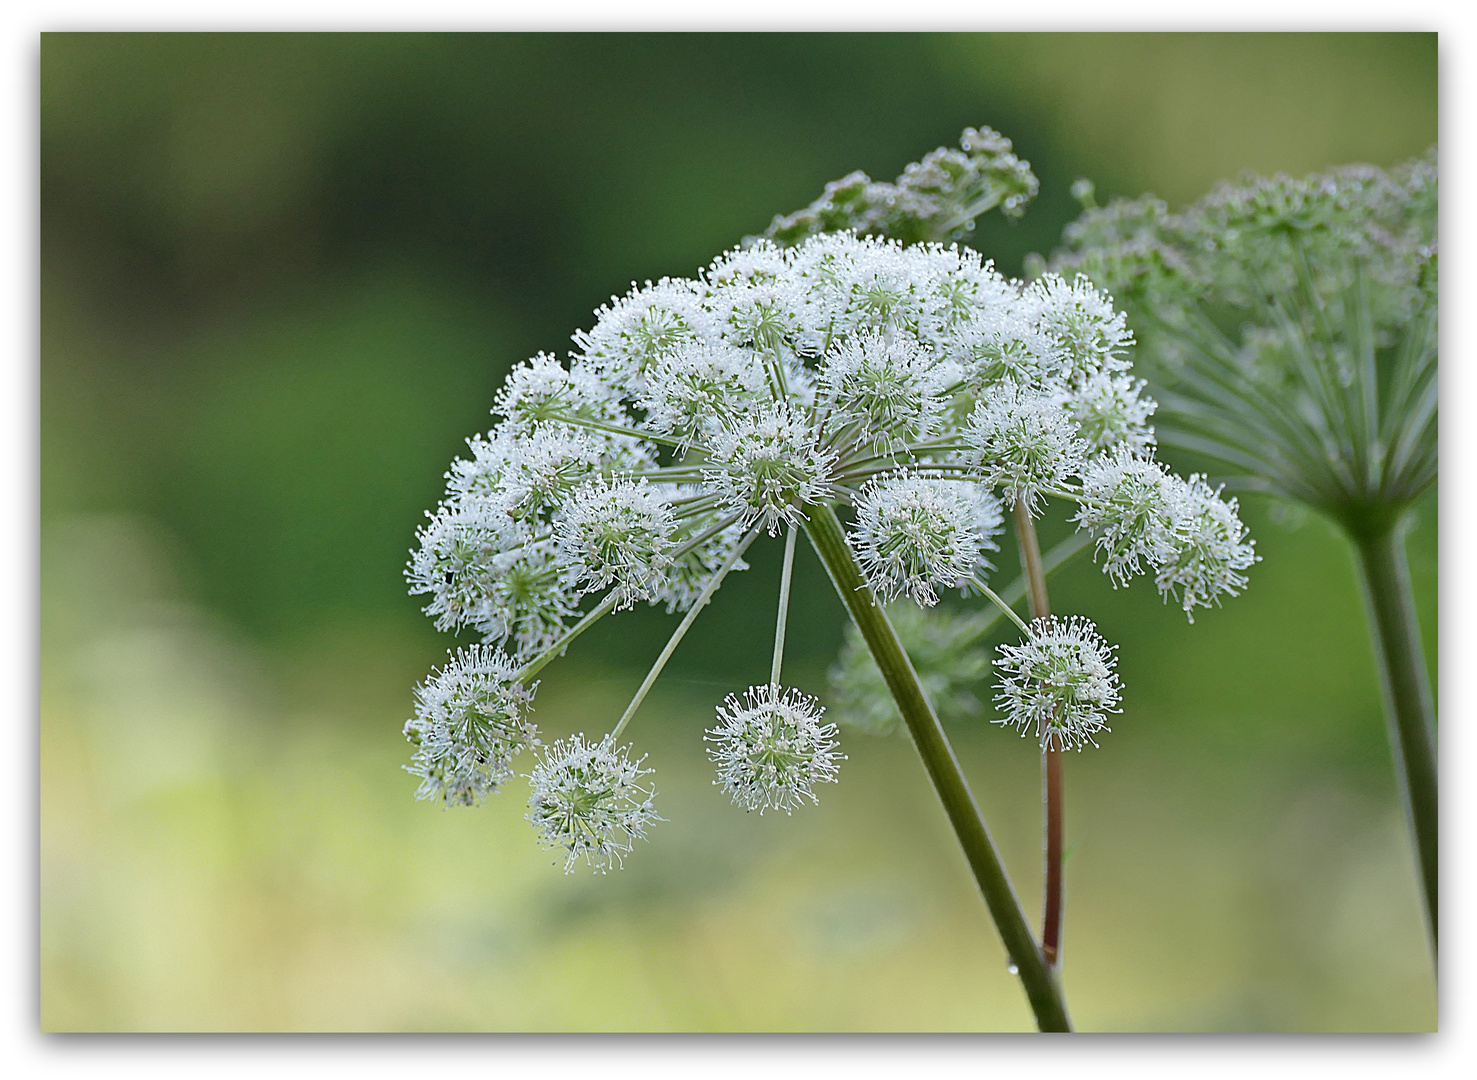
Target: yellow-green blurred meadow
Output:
[(281, 277)]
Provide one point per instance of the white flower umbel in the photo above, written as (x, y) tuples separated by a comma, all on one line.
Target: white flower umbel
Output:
[(1059, 683), (1004, 344), (1093, 334), (771, 749), (1025, 443), (768, 466), (912, 387), (454, 563), (1130, 504), (635, 331), (697, 387), (1210, 549), (542, 389), (1110, 410), (763, 315), (588, 799), (471, 720), (917, 534), (616, 533), (547, 465), (888, 383)]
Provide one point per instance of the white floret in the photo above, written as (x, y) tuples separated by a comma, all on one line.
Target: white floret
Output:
[(471, 720), (527, 599), (1094, 335), (690, 572), (1059, 683), (763, 262), (616, 533), (916, 534), (546, 467), (700, 386), (1210, 549), (536, 391), (651, 321), (588, 798), (768, 467), (1024, 442), (453, 562), (771, 749), (1111, 410), (1130, 503), (888, 383)]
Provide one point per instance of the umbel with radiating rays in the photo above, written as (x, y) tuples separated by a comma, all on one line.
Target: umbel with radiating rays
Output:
[(1289, 327), (911, 389)]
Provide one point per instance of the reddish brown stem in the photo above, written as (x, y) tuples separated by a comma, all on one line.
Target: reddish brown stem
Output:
[(1051, 919), (1051, 759)]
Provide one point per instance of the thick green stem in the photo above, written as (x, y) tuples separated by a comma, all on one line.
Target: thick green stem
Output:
[(1407, 691), (1052, 794), (1035, 973)]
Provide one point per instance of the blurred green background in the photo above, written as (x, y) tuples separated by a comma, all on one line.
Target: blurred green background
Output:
[(281, 278)]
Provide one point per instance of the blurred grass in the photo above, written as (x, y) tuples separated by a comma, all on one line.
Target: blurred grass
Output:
[(281, 277), (224, 848)]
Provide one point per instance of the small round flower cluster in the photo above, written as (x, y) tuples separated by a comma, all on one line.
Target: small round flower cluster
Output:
[(915, 534), (588, 799), (1144, 515), (471, 720), (1059, 684), (914, 384), (935, 199), (772, 749)]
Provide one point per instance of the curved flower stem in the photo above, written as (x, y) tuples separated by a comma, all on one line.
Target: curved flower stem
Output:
[(1051, 756), (1037, 976), (1407, 691)]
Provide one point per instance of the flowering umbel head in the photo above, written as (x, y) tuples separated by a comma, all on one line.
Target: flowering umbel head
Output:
[(915, 383), (1182, 531), (771, 749), (914, 533), (588, 799), (1288, 326), (471, 720), (914, 387), (616, 533), (1059, 683)]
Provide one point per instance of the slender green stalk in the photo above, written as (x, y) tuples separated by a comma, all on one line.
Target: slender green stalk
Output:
[(1052, 781), (614, 429), (1035, 973), (542, 660), (1407, 692), (681, 632), (605, 607), (999, 603), (1016, 591), (784, 612)]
